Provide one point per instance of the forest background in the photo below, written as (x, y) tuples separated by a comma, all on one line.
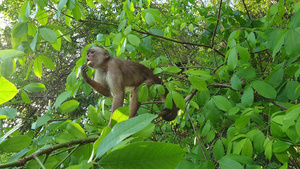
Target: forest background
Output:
[(232, 67)]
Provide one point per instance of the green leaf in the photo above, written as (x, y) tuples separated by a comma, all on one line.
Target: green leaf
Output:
[(61, 4), (212, 20), (121, 114), (33, 42), (222, 103), (264, 89), (143, 93), (258, 142), (244, 54), (279, 43), (144, 133), (35, 87), (19, 30), (191, 27), (292, 42), (247, 73), (227, 163), (68, 106), (247, 149), (61, 98), (37, 67), (71, 81), (232, 58), (134, 40), (47, 62), (8, 67), (242, 122), (90, 3), (8, 112), (76, 130), (57, 45), (127, 30), (122, 25), (248, 96), (169, 101), (117, 39), (150, 20), (236, 83), (71, 4), (68, 19), (268, 150), (146, 155), (122, 130), (10, 53), (173, 69), (92, 114), (41, 121), (15, 144), (178, 99), (49, 35), (7, 90), (41, 3), (291, 90), (275, 78), (198, 83), (42, 16), (218, 150), (280, 146)]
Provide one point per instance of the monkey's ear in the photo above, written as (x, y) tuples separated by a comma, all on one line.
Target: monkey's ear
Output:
[(106, 53)]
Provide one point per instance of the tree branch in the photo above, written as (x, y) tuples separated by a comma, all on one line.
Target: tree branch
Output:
[(23, 161)]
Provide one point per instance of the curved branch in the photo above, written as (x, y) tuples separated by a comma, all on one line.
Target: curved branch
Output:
[(23, 161)]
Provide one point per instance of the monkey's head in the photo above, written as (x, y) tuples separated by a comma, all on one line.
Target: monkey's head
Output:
[(96, 56)]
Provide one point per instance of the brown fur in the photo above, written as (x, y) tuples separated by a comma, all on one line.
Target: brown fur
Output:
[(113, 75)]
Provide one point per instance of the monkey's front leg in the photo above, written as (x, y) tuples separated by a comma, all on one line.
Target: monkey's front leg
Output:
[(117, 102)]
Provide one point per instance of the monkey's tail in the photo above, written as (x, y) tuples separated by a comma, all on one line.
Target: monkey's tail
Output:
[(168, 114)]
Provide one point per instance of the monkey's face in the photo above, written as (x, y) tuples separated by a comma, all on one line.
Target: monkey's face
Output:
[(96, 56)]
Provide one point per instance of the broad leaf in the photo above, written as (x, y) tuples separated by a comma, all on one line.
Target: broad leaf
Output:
[(134, 40), (35, 87), (146, 155), (264, 89), (19, 30), (68, 106), (227, 163), (7, 90), (222, 103), (178, 99), (49, 35), (122, 130), (15, 144), (76, 130), (9, 53), (150, 20), (198, 83)]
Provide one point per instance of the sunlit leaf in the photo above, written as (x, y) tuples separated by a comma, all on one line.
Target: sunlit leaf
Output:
[(122, 130), (133, 39), (35, 87), (7, 90), (15, 144), (150, 154), (19, 30), (68, 106), (49, 35), (76, 130)]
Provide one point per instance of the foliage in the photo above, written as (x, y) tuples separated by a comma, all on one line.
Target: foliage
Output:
[(232, 72)]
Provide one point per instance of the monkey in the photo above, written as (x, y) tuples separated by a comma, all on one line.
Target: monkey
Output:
[(113, 75)]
